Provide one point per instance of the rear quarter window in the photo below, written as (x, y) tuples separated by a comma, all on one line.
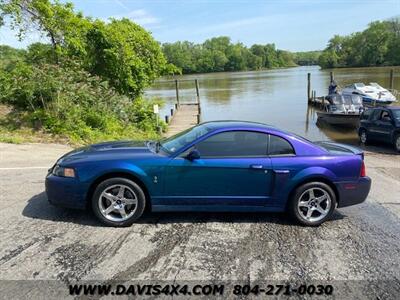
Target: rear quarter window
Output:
[(279, 147)]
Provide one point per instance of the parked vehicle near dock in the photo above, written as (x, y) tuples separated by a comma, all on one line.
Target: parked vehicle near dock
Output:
[(342, 110), (215, 166), (381, 124), (372, 94)]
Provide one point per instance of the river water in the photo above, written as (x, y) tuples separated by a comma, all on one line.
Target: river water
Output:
[(276, 97)]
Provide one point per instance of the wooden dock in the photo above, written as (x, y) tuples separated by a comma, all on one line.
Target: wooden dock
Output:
[(185, 115)]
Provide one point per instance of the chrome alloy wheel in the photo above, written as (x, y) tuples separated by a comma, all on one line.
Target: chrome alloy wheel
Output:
[(314, 204), (117, 203), (363, 137)]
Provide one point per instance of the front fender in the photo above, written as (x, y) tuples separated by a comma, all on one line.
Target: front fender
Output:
[(88, 174)]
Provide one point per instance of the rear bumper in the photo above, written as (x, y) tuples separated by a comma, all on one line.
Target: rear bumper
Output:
[(66, 192), (351, 193)]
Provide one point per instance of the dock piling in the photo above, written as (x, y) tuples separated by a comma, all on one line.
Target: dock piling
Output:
[(197, 94), (309, 87), (332, 76), (391, 82), (177, 91)]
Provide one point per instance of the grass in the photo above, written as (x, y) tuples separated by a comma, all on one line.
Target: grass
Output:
[(15, 131)]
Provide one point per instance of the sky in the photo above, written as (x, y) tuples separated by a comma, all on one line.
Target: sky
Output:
[(294, 25)]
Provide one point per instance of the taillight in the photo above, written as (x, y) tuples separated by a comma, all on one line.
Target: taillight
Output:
[(363, 172)]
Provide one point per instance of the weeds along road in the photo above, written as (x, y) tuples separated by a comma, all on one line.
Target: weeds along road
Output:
[(39, 241)]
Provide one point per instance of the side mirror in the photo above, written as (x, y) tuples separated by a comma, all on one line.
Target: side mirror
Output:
[(192, 155)]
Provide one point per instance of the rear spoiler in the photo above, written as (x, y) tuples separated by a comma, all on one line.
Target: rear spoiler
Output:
[(338, 147)]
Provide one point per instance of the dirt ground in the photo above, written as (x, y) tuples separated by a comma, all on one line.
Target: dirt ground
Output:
[(42, 242)]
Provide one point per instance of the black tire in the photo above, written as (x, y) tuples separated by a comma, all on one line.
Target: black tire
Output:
[(296, 197), (397, 142), (108, 184), (363, 141)]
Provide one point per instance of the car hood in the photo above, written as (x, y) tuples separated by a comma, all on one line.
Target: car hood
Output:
[(107, 151)]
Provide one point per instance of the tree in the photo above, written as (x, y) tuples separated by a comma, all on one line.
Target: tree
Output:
[(377, 45), (125, 54), (57, 21)]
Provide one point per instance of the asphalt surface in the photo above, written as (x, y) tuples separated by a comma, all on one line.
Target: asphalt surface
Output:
[(359, 246)]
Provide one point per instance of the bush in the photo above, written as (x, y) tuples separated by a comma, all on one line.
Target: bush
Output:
[(69, 101)]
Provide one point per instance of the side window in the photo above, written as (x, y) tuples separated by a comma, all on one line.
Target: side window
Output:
[(376, 114), (279, 146), (234, 144), (385, 117)]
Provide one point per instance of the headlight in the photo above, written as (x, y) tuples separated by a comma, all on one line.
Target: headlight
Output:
[(63, 172)]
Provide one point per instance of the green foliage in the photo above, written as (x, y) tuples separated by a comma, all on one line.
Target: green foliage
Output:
[(307, 58), (220, 54), (121, 52), (39, 53), (10, 56), (125, 54), (377, 45), (85, 84), (58, 21), (69, 101)]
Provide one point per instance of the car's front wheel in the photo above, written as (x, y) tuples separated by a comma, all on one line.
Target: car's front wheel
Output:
[(363, 137), (397, 142), (118, 202), (312, 203)]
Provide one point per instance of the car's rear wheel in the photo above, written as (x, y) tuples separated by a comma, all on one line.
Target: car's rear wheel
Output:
[(397, 142), (312, 203), (363, 137), (118, 202)]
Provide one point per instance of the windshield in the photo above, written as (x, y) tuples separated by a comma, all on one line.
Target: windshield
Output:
[(374, 84), (337, 100), (174, 143), (396, 114), (347, 100), (356, 99)]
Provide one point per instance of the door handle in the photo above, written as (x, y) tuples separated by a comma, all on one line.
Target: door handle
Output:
[(256, 166), (282, 171)]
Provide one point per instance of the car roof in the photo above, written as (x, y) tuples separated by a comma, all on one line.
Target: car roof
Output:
[(234, 125), (231, 124), (387, 107)]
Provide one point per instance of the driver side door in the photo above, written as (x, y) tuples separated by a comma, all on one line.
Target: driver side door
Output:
[(383, 127), (233, 170)]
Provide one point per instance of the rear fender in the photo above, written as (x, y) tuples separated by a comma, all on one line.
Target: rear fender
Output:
[(307, 175), (314, 172)]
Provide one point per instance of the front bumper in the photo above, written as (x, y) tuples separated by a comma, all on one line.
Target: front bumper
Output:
[(351, 193), (66, 192)]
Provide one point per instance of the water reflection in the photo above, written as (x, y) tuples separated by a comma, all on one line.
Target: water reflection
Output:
[(276, 97)]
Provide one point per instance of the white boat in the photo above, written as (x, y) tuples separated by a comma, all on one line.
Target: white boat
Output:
[(372, 94)]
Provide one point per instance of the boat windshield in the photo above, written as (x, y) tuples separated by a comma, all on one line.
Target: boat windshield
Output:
[(374, 84), (174, 143), (356, 99), (347, 100), (359, 85), (337, 99)]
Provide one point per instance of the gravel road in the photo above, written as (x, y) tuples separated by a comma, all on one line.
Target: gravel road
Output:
[(360, 245)]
